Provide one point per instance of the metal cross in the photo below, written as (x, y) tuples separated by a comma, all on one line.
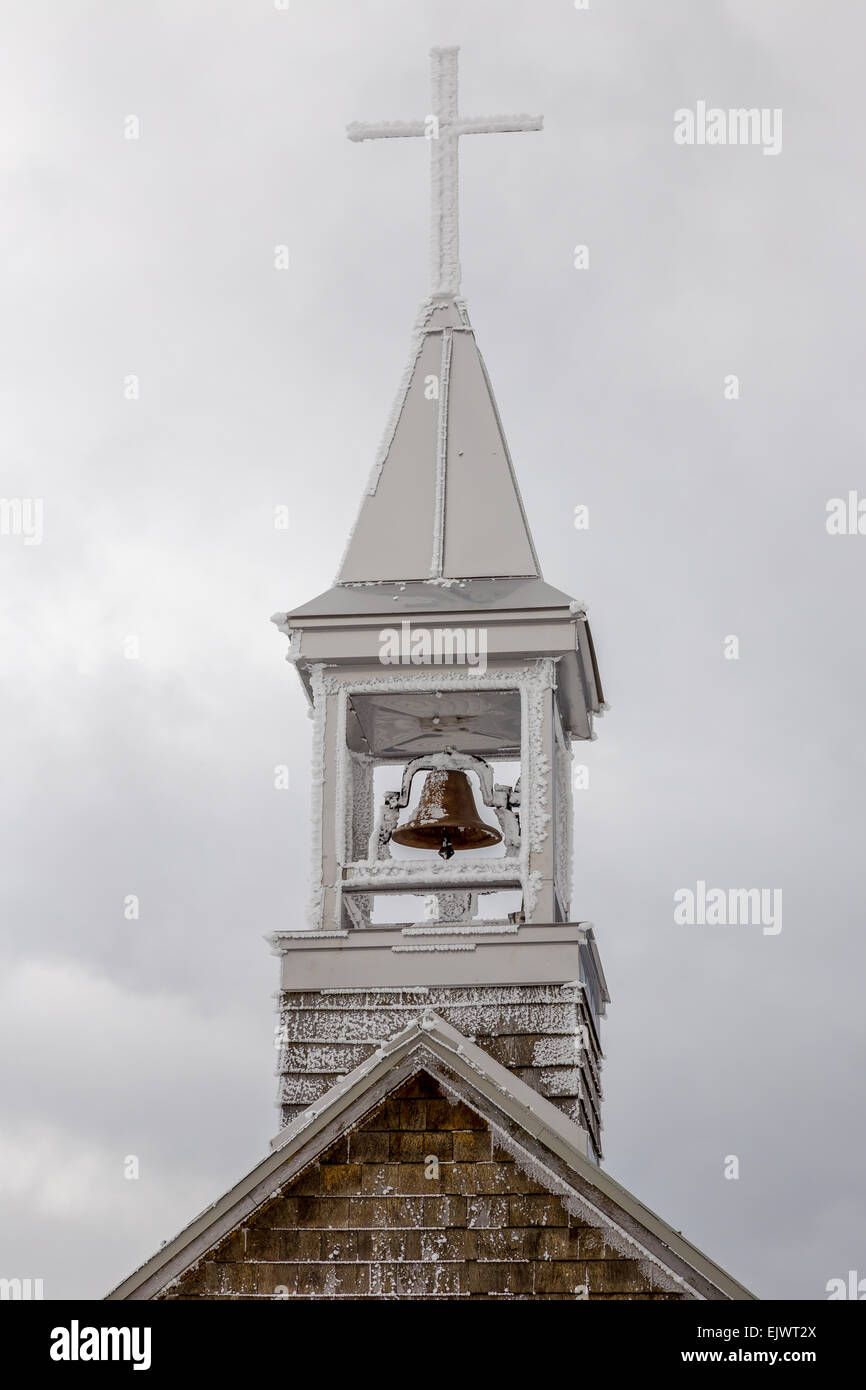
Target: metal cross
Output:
[(443, 128)]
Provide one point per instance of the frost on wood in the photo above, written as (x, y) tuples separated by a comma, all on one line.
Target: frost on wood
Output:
[(317, 790), (326, 1058), (535, 780), (564, 820), (361, 772), (586, 1211), (539, 1032), (437, 946), (415, 872), (343, 789), (468, 929), (556, 1051), (444, 678), (404, 996), (531, 890)]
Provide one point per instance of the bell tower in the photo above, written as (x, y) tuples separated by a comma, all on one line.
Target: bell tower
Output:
[(447, 682)]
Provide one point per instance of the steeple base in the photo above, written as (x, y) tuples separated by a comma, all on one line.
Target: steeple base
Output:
[(531, 998)]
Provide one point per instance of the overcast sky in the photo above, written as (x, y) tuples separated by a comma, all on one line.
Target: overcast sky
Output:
[(154, 258)]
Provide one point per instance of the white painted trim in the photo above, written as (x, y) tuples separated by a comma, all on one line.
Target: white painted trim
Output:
[(315, 908), (437, 558)]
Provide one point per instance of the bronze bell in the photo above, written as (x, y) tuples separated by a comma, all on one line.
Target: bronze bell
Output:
[(446, 818)]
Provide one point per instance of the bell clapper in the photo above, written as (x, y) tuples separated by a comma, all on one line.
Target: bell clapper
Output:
[(447, 850)]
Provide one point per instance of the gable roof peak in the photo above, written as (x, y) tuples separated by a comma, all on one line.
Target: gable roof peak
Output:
[(527, 1124)]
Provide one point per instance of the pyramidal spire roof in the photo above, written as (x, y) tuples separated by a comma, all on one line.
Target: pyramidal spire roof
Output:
[(442, 501)]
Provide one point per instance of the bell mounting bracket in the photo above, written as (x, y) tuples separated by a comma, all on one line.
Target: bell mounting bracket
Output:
[(449, 761)]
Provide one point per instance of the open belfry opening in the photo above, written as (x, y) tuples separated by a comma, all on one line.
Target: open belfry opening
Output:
[(440, 1009)]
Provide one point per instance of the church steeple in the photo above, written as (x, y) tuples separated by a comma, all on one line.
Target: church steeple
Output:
[(442, 660)]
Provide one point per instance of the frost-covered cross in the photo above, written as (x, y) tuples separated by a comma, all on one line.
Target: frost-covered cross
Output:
[(443, 128)]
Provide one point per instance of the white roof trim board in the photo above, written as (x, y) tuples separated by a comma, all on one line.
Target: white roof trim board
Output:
[(540, 1137), (444, 452)]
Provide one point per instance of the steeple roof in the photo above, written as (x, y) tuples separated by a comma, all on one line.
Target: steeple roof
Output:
[(442, 502)]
